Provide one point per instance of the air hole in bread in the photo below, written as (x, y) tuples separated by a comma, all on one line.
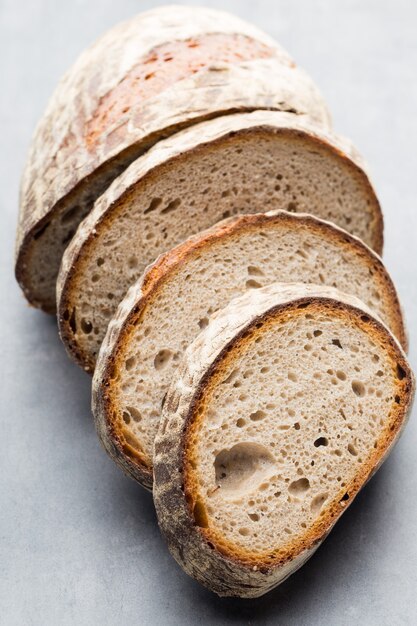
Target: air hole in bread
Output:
[(203, 322), (299, 488), (255, 271), (352, 450), (302, 253), (130, 363), (132, 262), (337, 343), (154, 204), (253, 284), (86, 326), (162, 359), (243, 468), (257, 416), (317, 503), (171, 206), (358, 388), (134, 413)]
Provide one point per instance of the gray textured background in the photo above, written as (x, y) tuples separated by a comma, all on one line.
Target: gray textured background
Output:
[(79, 542)]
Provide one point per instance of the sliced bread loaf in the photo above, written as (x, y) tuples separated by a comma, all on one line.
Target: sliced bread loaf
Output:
[(281, 411), (236, 164), (143, 80), (164, 311)]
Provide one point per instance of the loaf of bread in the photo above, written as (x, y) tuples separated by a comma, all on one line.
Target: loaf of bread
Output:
[(143, 80), (282, 409), (253, 375), (173, 301), (235, 164)]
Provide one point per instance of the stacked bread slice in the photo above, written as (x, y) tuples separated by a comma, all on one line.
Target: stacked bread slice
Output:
[(213, 245), (281, 411)]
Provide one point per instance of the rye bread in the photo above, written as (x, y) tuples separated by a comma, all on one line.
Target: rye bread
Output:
[(281, 411)]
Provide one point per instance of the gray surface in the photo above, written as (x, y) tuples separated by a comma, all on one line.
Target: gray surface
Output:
[(79, 542)]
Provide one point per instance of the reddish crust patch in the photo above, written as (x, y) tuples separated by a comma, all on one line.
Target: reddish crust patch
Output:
[(165, 65)]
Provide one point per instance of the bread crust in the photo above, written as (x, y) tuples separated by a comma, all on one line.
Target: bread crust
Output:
[(224, 568), (65, 171), (163, 155), (141, 294)]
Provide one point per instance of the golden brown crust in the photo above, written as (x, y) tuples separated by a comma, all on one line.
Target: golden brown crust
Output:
[(106, 211), (225, 568), (216, 373)]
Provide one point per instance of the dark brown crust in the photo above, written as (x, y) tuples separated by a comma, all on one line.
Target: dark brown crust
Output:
[(107, 408), (225, 568), (78, 252)]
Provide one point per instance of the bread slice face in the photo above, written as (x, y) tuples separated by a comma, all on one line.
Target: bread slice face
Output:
[(161, 71), (173, 301), (237, 164), (281, 411)]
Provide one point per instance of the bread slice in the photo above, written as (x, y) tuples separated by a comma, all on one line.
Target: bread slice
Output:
[(167, 308), (146, 78), (282, 409), (236, 164)]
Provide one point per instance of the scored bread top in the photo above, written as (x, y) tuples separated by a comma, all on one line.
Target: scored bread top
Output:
[(160, 71), (164, 311), (281, 410), (235, 164)]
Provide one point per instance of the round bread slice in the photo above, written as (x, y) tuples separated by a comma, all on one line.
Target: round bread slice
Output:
[(243, 163), (144, 79), (166, 309), (281, 411)]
